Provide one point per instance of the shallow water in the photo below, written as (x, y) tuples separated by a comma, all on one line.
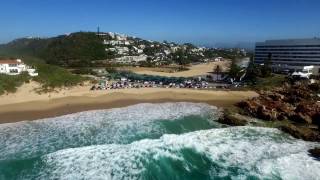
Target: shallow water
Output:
[(150, 141)]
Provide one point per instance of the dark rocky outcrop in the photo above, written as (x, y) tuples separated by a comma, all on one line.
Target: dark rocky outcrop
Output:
[(297, 103), (304, 133), (315, 153), (300, 118), (316, 119), (233, 119)]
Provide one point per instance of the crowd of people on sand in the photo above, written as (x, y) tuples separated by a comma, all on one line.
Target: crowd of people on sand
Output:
[(124, 83)]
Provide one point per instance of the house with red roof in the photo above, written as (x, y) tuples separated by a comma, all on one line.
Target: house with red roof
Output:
[(15, 67)]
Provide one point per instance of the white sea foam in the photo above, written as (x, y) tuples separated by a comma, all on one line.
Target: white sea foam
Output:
[(120, 125), (239, 152)]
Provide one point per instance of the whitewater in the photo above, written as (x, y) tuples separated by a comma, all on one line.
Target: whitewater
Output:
[(150, 141)]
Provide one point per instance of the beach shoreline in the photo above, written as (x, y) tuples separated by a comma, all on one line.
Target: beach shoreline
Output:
[(28, 105)]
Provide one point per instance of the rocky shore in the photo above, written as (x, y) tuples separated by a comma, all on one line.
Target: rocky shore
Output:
[(315, 153), (292, 108)]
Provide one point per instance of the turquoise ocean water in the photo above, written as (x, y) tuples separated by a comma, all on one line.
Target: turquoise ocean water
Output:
[(150, 141)]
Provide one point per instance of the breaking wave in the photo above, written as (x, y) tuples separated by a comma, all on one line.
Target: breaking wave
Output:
[(236, 153), (150, 141), (121, 125)]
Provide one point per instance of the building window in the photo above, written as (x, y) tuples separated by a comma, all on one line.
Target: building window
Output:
[(13, 70)]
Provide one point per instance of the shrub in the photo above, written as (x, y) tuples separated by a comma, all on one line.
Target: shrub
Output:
[(51, 77), (84, 71), (9, 83)]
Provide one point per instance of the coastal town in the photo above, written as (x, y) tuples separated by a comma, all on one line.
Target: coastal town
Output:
[(160, 90), (131, 53), (133, 50), (124, 72)]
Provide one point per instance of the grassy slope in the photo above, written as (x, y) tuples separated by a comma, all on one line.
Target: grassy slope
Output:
[(53, 76), (50, 77), (276, 80), (37, 52), (76, 49)]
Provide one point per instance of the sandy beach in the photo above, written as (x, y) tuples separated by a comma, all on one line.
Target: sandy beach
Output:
[(26, 104), (194, 70)]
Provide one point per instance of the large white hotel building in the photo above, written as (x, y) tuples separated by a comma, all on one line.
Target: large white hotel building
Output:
[(291, 54)]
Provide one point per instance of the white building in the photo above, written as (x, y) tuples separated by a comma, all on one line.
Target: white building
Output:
[(131, 59), (121, 37), (290, 54), (111, 34), (137, 50), (167, 52), (142, 46), (174, 49), (111, 49), (15, 67), (122, 50), (116, 42), (218, 59)]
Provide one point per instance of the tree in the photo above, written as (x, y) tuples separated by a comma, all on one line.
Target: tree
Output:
[(180, 58), (252, 72), (234, 70), (77, 49), (266, 69), (147, 63), (217, 71)]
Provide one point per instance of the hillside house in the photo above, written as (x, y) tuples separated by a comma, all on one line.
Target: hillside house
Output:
[(15, 67)]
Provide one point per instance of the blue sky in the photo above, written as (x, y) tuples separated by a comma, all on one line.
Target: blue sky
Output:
[(197, 21)]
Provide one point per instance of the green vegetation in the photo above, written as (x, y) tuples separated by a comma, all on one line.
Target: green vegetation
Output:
[(52, 77), (257, 75), (147, 63), (225, 53), (26, 47), (151, 51), (217, 70), (9, 84), (253, 72), (181, 58), (83, 71), (85, 49), (75, 50), (268, 83), (234, 71), (266, 69)]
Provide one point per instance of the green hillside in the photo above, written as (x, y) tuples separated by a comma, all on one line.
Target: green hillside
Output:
[(76, 49)]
